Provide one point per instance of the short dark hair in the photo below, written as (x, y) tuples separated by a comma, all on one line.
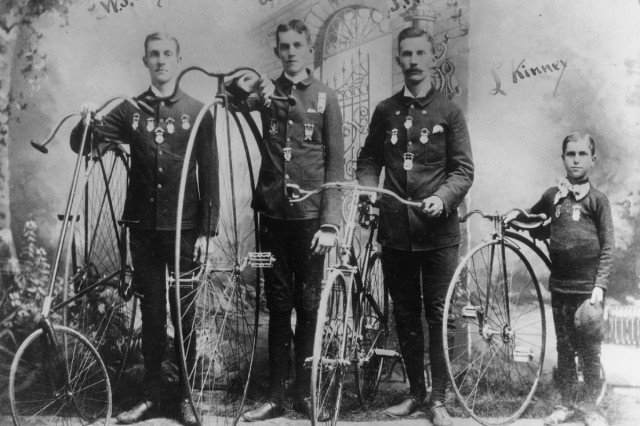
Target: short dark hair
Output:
[(295, 25), (413, 32), (577, 137), (161, 35)]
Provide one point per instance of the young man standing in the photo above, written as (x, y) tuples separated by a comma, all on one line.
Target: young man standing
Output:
[(157, 133), (302, 144), (420, 138)]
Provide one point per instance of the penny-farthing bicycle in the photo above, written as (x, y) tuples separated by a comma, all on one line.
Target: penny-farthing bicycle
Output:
[(220, 299)]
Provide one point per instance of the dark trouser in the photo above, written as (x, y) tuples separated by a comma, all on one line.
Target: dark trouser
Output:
[(401, 270), (152, 252), (294, 282), (570, 343)]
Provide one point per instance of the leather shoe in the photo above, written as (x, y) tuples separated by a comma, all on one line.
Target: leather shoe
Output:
[(139, 412), (266, 411), (188, 415), (439, 415), (304, 406), (407, 407)]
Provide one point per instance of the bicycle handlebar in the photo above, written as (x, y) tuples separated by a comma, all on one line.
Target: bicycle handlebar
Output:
[(510, 218), (297, 194), (42, 147)]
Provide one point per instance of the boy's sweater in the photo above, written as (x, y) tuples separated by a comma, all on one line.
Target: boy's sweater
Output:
[(582, 240)]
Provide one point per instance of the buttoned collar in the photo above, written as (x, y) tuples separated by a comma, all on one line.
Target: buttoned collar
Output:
[(579, 190), (286, 81), (149, 99), (406, 97)]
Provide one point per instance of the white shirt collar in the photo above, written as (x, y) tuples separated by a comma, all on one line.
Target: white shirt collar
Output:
[(156, 92), (422, 94), (296, 80)]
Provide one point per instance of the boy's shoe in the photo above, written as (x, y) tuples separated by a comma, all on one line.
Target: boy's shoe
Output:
[(560, 415), (407, 407), (592, 418), (438, 414), (187, 415)]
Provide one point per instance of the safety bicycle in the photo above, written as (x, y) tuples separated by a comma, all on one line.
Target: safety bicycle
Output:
[(353, 316), (495, 336)]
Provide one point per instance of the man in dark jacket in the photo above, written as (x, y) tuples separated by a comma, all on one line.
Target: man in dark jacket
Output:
[(157, 132), (303, 145), (420, 138)]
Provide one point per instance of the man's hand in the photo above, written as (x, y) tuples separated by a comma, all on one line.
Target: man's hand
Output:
[(370, 195), (323, 240), (203, 249), (597, 295), (433, 206), (88, 111)]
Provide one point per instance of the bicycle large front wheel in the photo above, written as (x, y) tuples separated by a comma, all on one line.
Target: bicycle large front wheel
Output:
[(219, 300), (494, 338), (59, 379), (97, 261)]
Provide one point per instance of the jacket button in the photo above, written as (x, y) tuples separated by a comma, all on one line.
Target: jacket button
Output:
[(151, 200), (412, 106), (424, 112), (288, 139), (409, 198), (286, 176), (160, 169), (159, 186), (290, 121), (409, 143), (160, 152)]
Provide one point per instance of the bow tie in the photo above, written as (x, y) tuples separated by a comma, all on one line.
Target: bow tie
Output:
[(416, 101), (579, 191)]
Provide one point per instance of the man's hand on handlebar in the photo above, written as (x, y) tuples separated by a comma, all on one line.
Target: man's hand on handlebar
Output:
[(251, 82), (368, 196), (89, 115), (433, 206)]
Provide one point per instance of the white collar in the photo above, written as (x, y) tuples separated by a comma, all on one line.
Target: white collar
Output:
[(422, 94)]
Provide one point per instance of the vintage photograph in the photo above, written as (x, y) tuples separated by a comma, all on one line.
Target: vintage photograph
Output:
[(319, 212)]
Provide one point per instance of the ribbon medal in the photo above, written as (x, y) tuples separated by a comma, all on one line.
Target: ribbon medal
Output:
[(558, 210), (408, 123), (170, 125), (136, 120), (287, 153), (308, 131), (185, 122), (273, 128), (394, 136), (424, 135), (159, 135), (408, 161), (151, 124), (575, 214)]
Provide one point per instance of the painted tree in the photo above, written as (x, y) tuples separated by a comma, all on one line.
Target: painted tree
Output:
[(19, 51)]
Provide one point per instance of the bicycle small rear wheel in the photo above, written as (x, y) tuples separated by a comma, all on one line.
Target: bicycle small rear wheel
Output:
[(372, 332), (332, 347), (97, 254), (494, 338), (67, 388)]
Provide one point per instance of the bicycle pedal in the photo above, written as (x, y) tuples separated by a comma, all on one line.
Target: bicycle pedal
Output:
[(386, 353), (469, 311), (522, 354), (261, 259)]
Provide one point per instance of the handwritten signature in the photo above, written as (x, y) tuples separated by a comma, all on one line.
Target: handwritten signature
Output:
[(523, 72)]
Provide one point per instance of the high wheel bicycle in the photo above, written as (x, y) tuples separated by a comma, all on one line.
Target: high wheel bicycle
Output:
[(495, 336), (58, 372), (219, 300), (353, 316)]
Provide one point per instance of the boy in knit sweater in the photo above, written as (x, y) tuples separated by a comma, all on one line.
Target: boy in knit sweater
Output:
[(581, 252)]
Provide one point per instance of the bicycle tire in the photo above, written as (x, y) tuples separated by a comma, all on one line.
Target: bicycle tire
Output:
[(372, 332), (332, 347), (494, 339), (39, 394), (219, 314), (97, 251)]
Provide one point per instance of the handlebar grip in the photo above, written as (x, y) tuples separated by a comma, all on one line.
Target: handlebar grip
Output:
[(289, 99), (40, 147)]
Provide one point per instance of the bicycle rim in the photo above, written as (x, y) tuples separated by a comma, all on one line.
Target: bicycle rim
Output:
[(95, 254), (494, 338), (68, 389), (218, 310), (331, 349), (372, 332)]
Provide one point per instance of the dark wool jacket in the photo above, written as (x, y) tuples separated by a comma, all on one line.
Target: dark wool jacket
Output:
[(582, 240), (442, 165), (156, 167), (317, 156)]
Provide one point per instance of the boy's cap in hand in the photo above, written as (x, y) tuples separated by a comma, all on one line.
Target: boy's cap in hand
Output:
[(589, 320)]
